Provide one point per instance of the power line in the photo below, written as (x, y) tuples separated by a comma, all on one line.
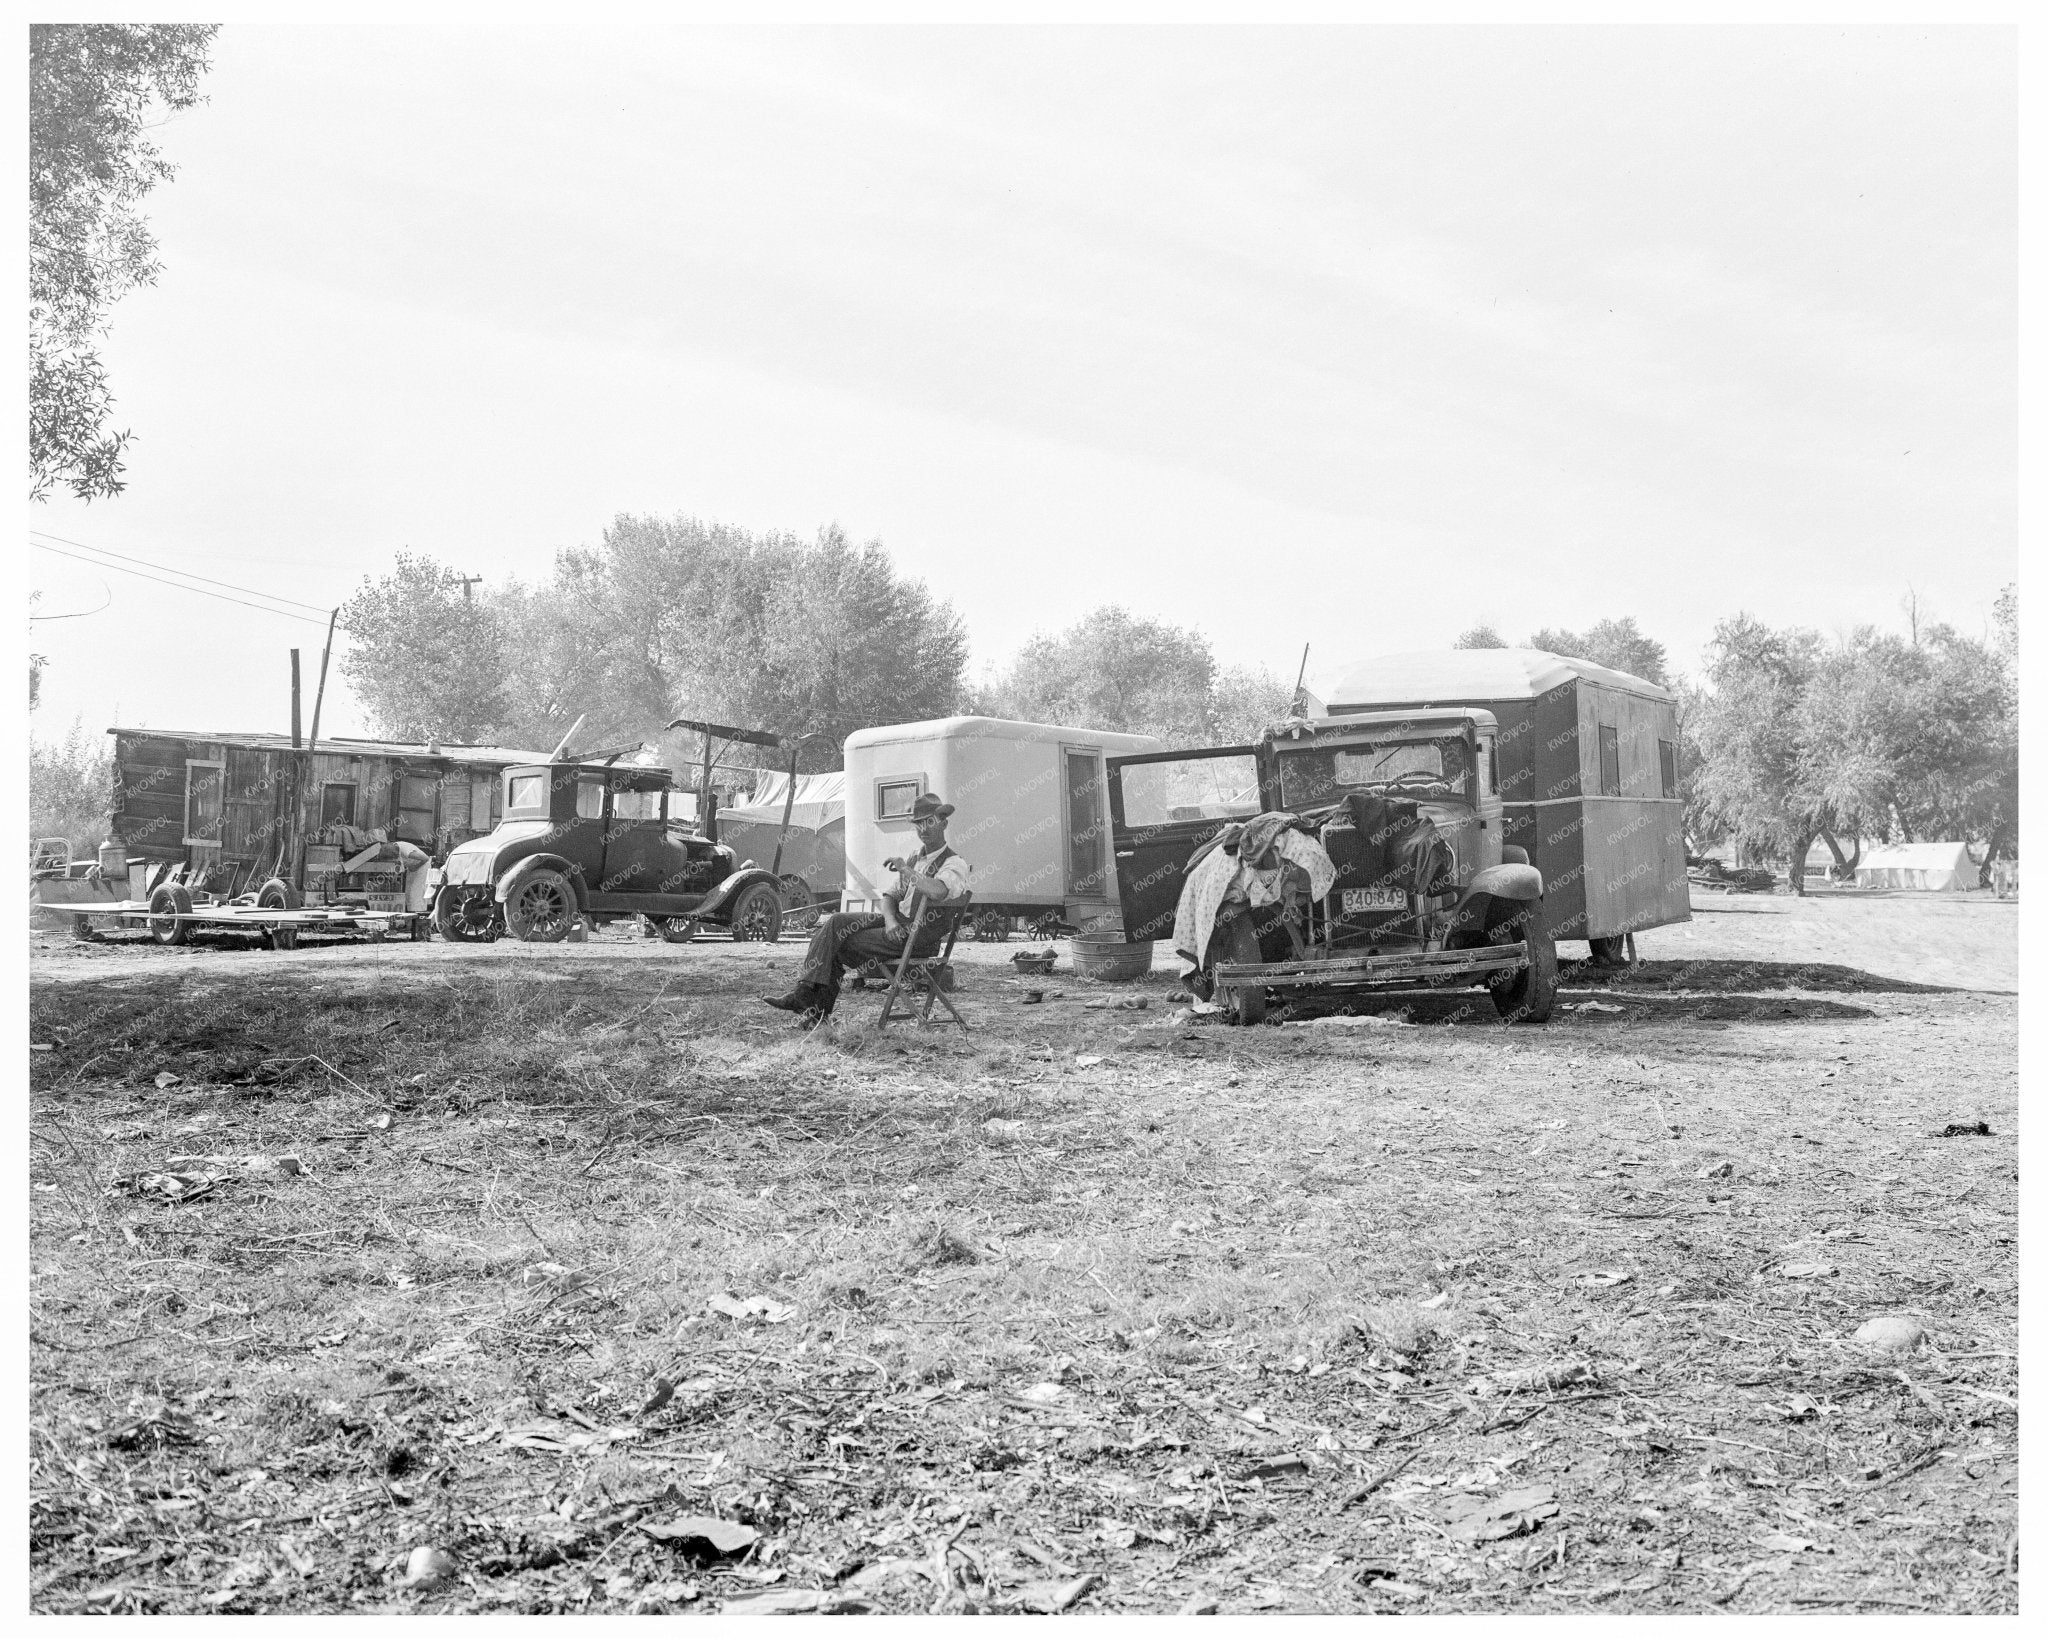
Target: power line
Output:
[(174, 570), (312, 620)]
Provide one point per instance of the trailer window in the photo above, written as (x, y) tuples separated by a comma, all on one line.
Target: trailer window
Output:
[(1667, 764), (337, 804), (894, 798), (483, 791), (1610, 761), (1189, 788)]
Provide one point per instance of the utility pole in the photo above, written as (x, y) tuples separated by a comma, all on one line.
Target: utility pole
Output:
[(466, 582), (295, 699)]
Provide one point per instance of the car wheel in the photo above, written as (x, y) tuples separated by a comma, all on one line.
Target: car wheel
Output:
[(1237, 941), (168, 903), (991, 927), (1611, 952), (797, 896), (452, 917), (542, 909), (677, 930), (757, 914), (1046, 927), (279, 895), (1527, 995)]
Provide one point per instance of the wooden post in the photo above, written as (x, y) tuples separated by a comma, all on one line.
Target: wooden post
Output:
[(320, 693), (707, 807), (788, 805), (295, 699)]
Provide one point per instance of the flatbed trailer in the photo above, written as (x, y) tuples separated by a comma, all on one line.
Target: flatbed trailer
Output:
[(279, 927)]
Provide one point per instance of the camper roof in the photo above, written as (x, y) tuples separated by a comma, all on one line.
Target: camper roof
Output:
[(1429, 676), (1422, 721), (999, 728)]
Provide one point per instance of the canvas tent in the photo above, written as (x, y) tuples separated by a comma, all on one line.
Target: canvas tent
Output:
[(1932, 866), (815, 849)]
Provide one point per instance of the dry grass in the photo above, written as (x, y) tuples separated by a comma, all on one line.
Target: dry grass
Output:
[(1263, 1269)]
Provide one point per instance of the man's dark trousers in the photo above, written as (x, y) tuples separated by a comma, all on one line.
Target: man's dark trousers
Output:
[(846, 939)]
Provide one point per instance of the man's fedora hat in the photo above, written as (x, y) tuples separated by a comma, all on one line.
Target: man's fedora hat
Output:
[(928, 806)]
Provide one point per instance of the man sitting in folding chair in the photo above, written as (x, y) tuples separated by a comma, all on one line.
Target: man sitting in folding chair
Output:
[(846, 939)]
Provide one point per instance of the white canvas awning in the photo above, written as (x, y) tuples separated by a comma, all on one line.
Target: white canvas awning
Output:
[(820, 799), (1933, 866)]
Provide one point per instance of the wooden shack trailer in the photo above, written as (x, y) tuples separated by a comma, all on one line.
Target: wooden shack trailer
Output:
[(1588, 775), (1031, 815), (235, 810)]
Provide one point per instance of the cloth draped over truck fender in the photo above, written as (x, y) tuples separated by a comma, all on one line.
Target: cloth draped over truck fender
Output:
[(1384, 842), (1245, 864)]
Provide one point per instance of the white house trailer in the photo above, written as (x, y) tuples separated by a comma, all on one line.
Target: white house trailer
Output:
[(1031, 816)]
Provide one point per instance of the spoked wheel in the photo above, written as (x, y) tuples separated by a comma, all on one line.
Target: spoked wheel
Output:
[(676, 930), (1046, 927), (991, 927), (1611, 952), (167, 906), (542, 909), (757, 914), (796, 900), (458, 917)]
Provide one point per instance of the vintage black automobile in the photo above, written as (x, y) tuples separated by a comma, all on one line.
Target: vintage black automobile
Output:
[(1408, 807), (599, 840)]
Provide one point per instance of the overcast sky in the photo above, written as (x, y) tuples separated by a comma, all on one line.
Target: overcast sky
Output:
[(1350, 338)]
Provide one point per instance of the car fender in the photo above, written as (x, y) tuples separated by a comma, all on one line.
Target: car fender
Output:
[(543, 862), (1505, 881), (728, 890)]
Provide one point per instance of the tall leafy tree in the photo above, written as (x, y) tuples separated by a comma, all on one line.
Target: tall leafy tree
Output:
[(426, 662), (1747, 726), (1481, 636), (1617, 644), (71, 788), (95, 89), (1112, 670)]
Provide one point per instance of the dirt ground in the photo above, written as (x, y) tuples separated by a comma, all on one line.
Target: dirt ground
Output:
[(579, 1266)]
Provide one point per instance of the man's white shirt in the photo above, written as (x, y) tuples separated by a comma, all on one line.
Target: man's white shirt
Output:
[(954, 873)]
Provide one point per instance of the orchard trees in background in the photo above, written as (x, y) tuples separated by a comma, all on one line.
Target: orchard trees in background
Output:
[(1615, 644), (1110, 670), (1745, 724), (95, 90), (71, 788), (1118, 671), (663, 618), (1481, 636), (1875, 735), (672, 617), (426, 662)]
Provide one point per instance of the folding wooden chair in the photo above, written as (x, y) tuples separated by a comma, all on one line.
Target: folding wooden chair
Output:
[(921, 973)]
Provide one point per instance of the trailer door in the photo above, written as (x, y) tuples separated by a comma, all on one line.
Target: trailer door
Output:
[(1163, 805)]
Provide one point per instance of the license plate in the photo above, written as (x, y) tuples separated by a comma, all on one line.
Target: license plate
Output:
[(1374, 899)]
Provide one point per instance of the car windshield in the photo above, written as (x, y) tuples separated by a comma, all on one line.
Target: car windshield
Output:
[(1316, 775)]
